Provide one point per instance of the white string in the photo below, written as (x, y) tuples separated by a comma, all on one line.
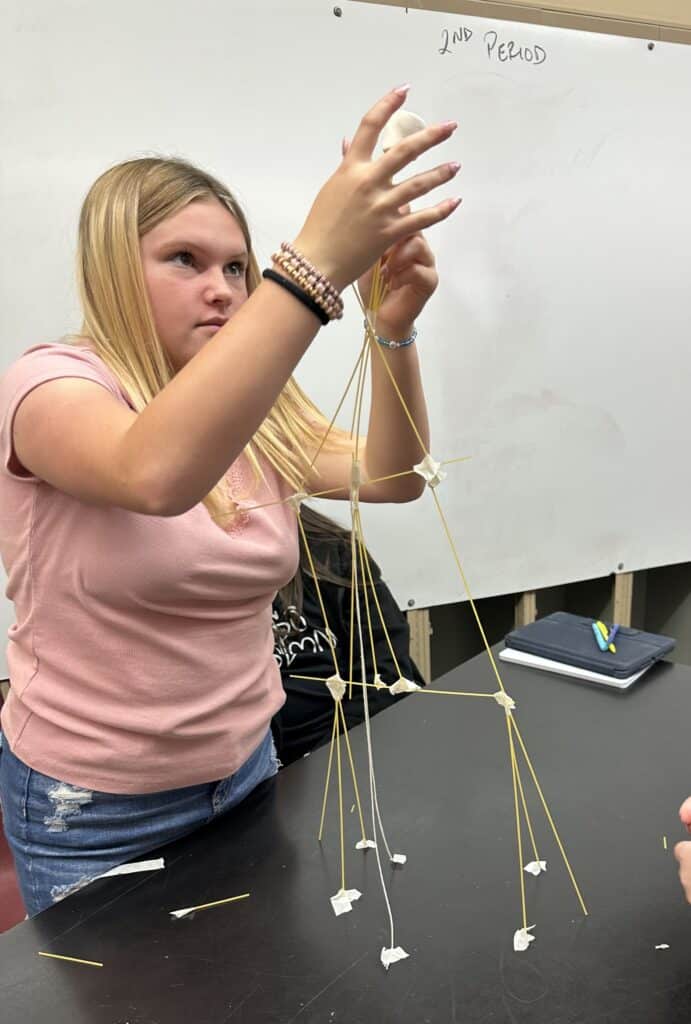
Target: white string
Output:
[(370, 754), (364, 687)]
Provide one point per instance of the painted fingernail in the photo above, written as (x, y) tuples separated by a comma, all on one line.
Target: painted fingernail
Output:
[(455, 203), (402, 90), (454, 167), (450, 125)]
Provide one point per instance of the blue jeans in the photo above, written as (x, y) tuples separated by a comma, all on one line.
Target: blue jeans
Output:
[(62, 836)]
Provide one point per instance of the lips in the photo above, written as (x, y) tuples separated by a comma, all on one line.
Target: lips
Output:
[(215, 321)]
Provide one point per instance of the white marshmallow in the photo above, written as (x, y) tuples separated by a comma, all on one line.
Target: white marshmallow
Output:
[(399, 126)]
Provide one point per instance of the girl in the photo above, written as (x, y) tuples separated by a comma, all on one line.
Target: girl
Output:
[(133, 460)]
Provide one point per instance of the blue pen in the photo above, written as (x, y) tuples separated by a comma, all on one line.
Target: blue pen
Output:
[(605, 634), (601, 642)]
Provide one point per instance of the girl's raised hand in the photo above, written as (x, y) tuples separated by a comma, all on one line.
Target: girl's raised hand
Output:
[(360, 213)]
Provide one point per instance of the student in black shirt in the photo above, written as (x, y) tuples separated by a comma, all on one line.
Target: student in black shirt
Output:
[(301, 641)]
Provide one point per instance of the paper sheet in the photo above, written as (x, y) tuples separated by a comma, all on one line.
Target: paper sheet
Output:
[(546, 664)]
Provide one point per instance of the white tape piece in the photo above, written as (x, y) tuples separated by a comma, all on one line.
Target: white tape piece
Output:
[(663, 945), (522, 939), (536, 867), (336, 686), (366, 844), (131, 869), (403, 685), (392, 955), (297, 499), (177, 914), (207, 906), (379, 683), (502, 698), (430, 471), (342, 901), (399, 858)]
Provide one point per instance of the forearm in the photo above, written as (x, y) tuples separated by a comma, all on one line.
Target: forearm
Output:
[(186, 438), (393, 445)]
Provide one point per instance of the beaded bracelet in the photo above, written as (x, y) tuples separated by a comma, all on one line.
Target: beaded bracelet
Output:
[(297, 267), (322, 282), (306, 282), (394, 344), (310, 284), (299, 293)]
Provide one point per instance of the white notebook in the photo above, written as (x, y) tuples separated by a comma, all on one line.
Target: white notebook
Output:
[(548, 665)]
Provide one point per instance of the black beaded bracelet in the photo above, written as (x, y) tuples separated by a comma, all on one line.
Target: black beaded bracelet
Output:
[(299, 294)]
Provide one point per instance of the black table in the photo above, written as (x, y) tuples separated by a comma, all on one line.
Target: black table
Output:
[(614, 768)]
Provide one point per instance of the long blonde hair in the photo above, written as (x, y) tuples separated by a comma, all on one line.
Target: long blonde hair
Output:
[(123, 204)]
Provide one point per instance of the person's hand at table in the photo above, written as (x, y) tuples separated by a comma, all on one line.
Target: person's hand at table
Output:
[(682, 851)]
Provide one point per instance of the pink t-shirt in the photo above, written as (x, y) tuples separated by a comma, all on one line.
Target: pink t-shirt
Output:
[(141, 658)]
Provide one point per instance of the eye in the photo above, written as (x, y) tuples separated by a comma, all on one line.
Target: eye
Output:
[(183, 258), (235, 269)]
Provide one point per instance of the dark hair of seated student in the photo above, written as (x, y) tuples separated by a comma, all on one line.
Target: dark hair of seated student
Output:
[(301, 641)]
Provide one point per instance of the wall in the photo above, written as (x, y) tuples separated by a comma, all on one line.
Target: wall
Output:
[(70, 110), (661, 604)]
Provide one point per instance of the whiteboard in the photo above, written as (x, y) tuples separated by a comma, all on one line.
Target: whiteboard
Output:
[(556, 351)]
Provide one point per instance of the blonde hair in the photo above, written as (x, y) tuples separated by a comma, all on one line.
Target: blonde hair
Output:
[(123, 204)]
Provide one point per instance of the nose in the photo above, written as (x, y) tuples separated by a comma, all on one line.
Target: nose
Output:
[(217, 291)]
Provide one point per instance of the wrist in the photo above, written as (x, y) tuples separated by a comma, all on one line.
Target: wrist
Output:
[(395, 343), (303, 278), (325, 264), (393, 331)]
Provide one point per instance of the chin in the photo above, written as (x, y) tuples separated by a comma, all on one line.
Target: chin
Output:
[(182, 355)]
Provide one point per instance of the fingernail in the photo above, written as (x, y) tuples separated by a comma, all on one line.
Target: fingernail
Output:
[(456, 203), (450, 125), (454, 168), (402, 90)]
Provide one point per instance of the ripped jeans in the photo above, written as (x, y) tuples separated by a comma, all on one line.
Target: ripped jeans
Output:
[(62, 836)]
